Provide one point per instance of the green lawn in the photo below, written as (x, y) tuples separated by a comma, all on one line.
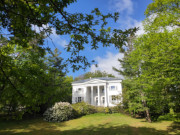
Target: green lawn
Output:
[(95, 124)]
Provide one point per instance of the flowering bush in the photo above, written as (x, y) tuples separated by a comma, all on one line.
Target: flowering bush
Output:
[(61, 111)]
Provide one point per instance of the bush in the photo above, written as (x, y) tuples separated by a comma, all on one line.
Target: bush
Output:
[(108, 110), (61, 111), (83, 108), (117, 109), (177, 117), (100, 109), (170, 117)]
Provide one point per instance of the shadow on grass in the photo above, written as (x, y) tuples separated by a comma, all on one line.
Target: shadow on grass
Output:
[(175, 128), (91, 130)]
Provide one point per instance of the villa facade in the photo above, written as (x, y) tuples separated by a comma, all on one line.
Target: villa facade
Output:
[(98, 91)]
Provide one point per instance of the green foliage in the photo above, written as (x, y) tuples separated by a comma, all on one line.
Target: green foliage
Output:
[(63, 91), (168, 117), (61, 111), (20, 17), (28, 80), (117, 109), (151, 63), (83, 108), (108, 110), (95, 74), (171, 116), (162, 14), (100, 109)]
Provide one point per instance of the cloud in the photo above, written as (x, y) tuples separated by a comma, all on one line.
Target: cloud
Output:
[(54, 38), (106, 63), (141, 28), (126, 21), (122, 6), (57, 39)]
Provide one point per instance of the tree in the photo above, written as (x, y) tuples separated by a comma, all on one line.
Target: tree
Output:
[(27, 78), (95, 74), (162, 14), (151, 82), (19, 16)]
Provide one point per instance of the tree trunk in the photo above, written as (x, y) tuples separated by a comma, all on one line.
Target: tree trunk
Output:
[(148, 115)]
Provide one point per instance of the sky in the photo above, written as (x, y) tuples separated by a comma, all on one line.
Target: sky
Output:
[(131, 15)]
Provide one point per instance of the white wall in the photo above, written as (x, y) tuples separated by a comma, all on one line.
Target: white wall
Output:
[(117, 91)]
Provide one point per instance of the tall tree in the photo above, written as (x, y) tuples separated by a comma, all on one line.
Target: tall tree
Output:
[(26, 78), (151, 68), (95, 74)]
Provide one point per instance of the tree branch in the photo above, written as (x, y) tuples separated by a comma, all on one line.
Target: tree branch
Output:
[(11, 82)]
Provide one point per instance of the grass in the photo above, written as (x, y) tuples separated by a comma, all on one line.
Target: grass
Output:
[(95, 124)]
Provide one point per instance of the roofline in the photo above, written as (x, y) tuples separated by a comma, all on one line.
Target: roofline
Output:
[(87, 80)]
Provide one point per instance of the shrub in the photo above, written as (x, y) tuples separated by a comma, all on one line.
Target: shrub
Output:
[(177, 117), (117, 109), (100, 109), (61, 111), (166, 117), (170, 117), (83, 108), (108, 110)]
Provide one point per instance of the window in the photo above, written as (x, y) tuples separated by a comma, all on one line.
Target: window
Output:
[(79, 99), (113, 88), (114, 99), (102, 90), (96, 100), (80, 90), (103, 100)]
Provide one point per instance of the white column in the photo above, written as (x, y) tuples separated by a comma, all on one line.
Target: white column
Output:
[(85, 94), (105, 95), (99, 101), (92, 98)]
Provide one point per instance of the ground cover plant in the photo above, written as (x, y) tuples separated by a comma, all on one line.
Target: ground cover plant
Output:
[(93, 124)]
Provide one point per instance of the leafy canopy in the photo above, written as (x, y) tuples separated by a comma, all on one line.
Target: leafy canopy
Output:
[(151, 63), (95, 74), (19, 16)]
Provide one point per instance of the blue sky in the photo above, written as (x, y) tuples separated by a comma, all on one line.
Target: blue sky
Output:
[(131, 15)]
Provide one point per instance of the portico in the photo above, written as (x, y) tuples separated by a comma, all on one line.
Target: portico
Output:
[(95, 95)]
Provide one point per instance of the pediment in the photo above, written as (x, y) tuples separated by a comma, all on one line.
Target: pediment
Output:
[(95, 81)]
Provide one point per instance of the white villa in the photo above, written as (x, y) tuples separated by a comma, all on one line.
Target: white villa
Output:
[(97, 91)]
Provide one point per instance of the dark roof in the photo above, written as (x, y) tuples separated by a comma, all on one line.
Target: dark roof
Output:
[(100, 78)]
